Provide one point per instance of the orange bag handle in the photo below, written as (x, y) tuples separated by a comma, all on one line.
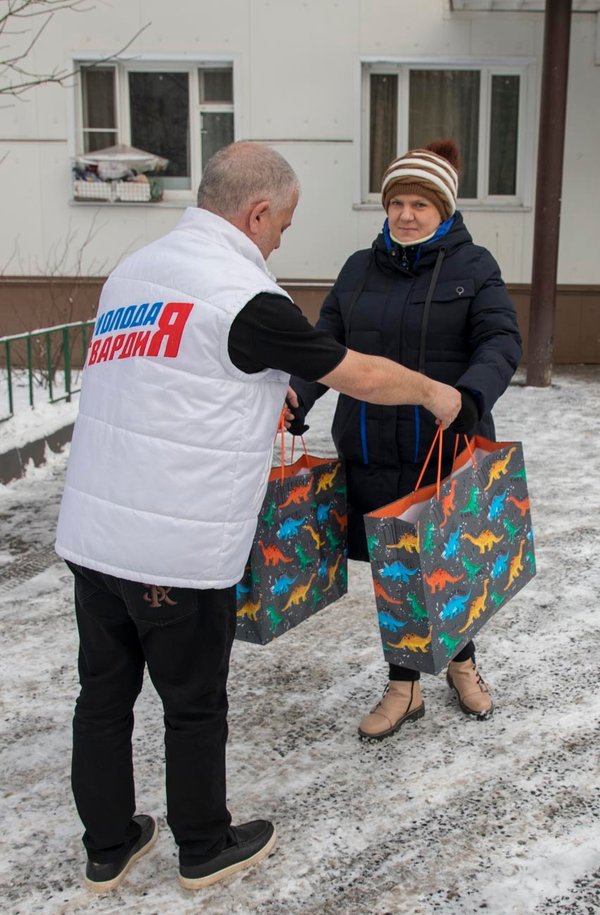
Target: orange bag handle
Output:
[(438, 437), (469, 449), (281, 431), (471, 452), (456, 441), (294, 437)]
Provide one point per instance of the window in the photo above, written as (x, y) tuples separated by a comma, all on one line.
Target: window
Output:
[(98, 108), (181, 113), (216, 112), (482, 108), (159, 121)]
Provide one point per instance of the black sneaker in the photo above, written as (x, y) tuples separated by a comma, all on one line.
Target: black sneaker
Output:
[(101, 878), (250, 843)]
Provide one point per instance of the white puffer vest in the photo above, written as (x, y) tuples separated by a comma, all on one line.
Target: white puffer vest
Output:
[(172, 445)]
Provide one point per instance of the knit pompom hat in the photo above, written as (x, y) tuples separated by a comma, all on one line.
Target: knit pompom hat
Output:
[(431, 173)]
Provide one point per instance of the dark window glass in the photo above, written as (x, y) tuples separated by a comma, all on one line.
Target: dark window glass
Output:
[(443, 104), (216, 130), (216, 85), (504, 135), (98, 104), (159, 107), (383, 126), (94, 141)]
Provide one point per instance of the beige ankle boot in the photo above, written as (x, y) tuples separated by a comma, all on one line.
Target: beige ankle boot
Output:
[(472, 691), (401, 701)]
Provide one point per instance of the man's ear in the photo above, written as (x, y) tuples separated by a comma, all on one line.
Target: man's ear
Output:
[(258, 211)]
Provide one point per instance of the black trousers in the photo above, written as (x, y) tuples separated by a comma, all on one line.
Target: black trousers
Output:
[(184, 637), (405, 673)]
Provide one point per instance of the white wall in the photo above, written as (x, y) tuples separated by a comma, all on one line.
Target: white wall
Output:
[(297, 64)]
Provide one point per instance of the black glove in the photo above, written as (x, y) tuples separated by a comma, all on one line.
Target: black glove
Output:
[(468, 417), (297, 426)]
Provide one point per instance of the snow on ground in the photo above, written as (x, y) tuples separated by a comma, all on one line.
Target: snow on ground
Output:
[(28, 424), (447, 816)]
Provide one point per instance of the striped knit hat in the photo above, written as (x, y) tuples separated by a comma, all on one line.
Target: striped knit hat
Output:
[(431, 173)]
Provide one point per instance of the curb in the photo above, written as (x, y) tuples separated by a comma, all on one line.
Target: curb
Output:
[(13, 463)]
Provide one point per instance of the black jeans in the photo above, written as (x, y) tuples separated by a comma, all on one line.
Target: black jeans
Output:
[(184, 636)]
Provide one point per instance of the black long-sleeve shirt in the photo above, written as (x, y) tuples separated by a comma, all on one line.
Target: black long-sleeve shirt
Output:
[(271, 332)]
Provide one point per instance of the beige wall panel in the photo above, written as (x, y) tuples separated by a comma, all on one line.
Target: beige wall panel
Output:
[(509, 36), (108, 27), (117, 231), (21, 192), (190, 26), (404, 28), (323, 233), (302, 69), (370, 225), (523, 258), (18, 120), (502, 234), (51, 111), (580, 208)]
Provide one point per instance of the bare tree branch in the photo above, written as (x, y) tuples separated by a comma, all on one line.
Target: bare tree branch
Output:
[(25, 9), (15, 77)]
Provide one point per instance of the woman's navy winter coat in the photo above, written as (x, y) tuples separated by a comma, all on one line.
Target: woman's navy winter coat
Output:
[(467, 337)]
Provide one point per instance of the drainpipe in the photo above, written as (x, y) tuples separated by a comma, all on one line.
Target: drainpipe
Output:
[(557, 30)]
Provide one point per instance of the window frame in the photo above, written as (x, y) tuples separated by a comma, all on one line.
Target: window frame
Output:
[(159, 63), (401, 67)]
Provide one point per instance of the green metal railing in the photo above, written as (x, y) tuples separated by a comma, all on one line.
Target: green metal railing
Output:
[(42, 355)]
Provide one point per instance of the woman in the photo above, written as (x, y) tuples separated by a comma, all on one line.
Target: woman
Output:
[(426, 296)]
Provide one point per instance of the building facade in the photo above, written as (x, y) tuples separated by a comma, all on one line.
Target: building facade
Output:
[(338, 87)]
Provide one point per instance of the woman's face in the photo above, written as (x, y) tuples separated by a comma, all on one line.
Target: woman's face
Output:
[(412, 217)]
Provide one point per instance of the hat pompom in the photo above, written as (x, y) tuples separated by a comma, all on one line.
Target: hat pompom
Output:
[(447, 149)]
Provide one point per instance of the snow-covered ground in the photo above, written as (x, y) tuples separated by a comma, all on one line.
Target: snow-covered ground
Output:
[(447, 816), (28, 424)]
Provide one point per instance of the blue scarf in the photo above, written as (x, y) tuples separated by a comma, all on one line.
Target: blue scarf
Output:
[(413, 252)]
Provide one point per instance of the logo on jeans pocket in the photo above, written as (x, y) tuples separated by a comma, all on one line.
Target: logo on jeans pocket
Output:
[(156, 595)]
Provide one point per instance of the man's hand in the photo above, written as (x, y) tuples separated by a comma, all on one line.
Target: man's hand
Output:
[(295, 414), (444, 402)]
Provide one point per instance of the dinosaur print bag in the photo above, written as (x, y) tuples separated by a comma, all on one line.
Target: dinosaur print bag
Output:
[(298, 561), (444, 561)]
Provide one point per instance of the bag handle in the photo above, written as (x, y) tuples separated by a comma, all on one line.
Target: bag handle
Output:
[(470, 450), (456, 441), (294, 437), (281, 431), (438, 437)]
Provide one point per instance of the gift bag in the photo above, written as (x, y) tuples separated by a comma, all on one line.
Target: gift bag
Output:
[(447, 557), (298, 561)]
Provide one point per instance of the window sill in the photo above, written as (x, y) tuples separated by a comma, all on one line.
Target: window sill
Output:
[(179, 204)]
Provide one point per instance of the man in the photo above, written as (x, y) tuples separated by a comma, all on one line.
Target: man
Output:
[(185, 379)]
